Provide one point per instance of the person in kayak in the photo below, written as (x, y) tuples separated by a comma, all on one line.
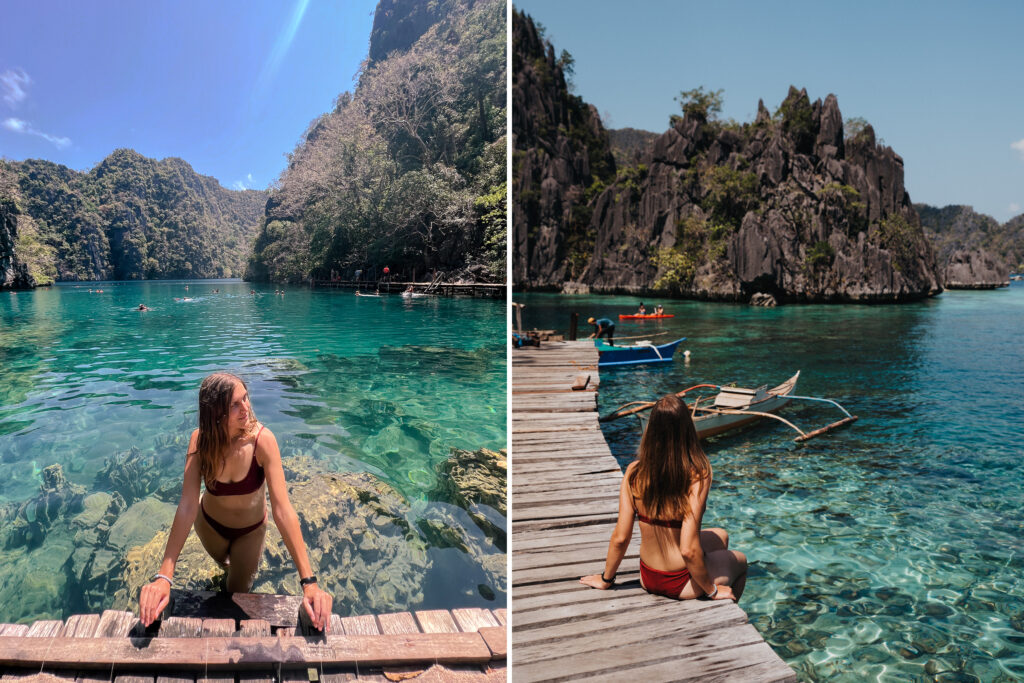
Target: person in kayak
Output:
[(666, 490), (603, 327)]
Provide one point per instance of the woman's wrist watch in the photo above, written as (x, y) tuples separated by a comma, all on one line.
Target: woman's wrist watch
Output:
[(306, 581)]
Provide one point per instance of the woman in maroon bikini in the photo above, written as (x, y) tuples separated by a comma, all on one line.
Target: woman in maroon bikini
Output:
[(666, 490), (233, 454)]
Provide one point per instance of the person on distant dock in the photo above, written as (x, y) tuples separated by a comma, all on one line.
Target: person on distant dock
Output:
[(238, 460), (603, 327), (666, 490)]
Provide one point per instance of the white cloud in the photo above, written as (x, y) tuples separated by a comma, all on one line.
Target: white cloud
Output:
[(19, 126), (12, 82), (1019, 146), (243, 184), (1014, 207)]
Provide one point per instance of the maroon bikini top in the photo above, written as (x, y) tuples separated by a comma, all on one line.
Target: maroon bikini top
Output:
[(670, 523), (251, 482)]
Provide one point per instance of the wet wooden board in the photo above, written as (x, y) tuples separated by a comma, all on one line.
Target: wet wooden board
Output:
[(564, 502), (219, 653)]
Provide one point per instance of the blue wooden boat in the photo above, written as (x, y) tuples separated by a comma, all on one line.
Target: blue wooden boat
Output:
[(637, 354)]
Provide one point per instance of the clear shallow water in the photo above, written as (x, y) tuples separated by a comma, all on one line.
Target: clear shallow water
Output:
[(888, 550), (382, 385)]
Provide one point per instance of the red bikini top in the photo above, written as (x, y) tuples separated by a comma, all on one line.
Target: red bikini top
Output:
[(251, 482), (670, 523)]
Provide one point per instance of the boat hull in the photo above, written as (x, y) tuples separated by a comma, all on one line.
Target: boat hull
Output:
[(646, 316), (710, 424), (617, 356)]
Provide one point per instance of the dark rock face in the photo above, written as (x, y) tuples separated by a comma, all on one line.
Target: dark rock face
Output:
[(784, 207), (560, 149), (976, 269), (13, 273), (397, 24)]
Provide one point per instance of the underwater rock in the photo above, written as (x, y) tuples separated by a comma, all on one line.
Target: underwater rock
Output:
[(57, 498), (469, 477), (131, 474)]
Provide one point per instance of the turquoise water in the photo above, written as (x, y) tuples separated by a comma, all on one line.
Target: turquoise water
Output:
[(380, 385), (892, 549)]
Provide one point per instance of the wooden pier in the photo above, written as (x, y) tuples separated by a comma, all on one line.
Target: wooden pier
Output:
[(564, 502), (224, 638), (472, 289)]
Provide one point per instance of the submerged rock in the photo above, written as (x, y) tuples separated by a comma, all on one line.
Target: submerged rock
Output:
[(133, 474), (469, 477), (57, 498)]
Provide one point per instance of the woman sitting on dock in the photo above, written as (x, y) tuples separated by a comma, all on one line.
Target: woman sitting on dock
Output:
[(666, 489), (233, 454)]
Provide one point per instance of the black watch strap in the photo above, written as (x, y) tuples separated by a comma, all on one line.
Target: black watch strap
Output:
[(308, 580)]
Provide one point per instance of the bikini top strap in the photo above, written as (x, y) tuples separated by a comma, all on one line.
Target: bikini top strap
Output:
[(255, 443)]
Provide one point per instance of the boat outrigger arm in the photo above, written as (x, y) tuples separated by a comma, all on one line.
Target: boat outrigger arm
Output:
[(804, 436)]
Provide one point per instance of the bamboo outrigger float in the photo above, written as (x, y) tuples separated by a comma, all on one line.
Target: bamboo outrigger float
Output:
[(734, 407)]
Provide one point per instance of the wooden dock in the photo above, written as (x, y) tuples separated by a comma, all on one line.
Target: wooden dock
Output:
[(224, 638), (483, 290), (564, 502)]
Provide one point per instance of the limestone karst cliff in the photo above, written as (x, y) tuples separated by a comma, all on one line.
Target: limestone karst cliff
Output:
[(559, 150), (790, 204)]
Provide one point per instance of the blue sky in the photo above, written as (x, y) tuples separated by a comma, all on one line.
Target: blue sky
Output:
[(226, 85), (941, 82)]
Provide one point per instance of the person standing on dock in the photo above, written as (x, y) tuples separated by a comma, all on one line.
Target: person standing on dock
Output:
[(239, 461), (666, 490), (603, 327)]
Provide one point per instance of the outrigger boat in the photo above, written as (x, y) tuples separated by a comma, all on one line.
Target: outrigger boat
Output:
[(735, 407), (643, 352)]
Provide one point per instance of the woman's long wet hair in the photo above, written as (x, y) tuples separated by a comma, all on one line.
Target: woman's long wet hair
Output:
[(670, 460), (214, 405)]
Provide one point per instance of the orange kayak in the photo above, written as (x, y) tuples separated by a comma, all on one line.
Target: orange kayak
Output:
[(645, 316)]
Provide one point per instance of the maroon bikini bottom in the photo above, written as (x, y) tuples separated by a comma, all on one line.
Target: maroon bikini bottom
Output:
[(229, 532), (669, 584)]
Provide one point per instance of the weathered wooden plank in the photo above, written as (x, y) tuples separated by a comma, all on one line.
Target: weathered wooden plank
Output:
[(44, 629), (226, 654), (115, 623), (13, 629), (337, 628), (501, 615), (217, 627), (133, 678), (278, 610), (691, 651), (80, 626), (399, 622), (175, 678), (473, 619), (752, 662), (254, 627), (365, 625), (436, 621), (181, 627), (496, 638), (592, 623)]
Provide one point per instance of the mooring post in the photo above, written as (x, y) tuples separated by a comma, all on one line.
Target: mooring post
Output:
[(573, 323)]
